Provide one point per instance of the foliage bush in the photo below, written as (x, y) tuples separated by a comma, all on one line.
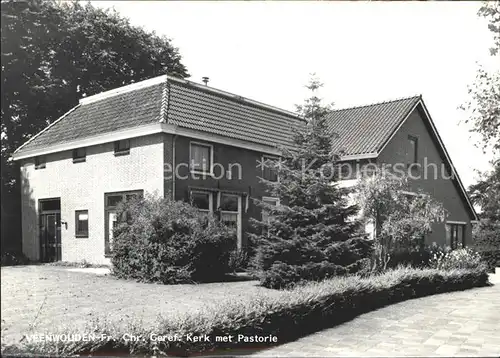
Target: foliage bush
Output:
[(301, 261), (465, 258), (285, 314), (402, 220), (238, 260), (418, 258), (169, 242), (491, 259), (13, 258)]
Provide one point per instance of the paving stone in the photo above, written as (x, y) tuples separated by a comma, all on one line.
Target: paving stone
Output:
[(465, 323), (447, 349)]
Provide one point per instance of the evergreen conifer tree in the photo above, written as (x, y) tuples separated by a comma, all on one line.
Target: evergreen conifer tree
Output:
[(311, 235)]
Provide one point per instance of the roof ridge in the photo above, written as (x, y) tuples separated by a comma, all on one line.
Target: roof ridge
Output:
[(123, 89), (235, 96), (419, 96)]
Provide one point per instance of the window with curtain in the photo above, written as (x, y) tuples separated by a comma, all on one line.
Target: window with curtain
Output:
[(229, 211), (200, 157), (455, 235)]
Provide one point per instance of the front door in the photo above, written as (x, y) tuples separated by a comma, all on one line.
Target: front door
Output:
[(50, 231), (50, 237)]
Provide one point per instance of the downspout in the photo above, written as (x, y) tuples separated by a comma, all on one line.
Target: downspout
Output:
[(174, 170)]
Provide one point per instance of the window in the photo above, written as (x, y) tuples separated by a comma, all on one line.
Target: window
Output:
[(122, 147), (111, 202), (230, 214), (40, 162), (82, 223), (269, 168), (270, 201), (455, 235), (79, 155), (50, 205), (413, 149), (202, 200), (200, 157)]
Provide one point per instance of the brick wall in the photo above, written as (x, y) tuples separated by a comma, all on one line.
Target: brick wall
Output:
[(81, 186)]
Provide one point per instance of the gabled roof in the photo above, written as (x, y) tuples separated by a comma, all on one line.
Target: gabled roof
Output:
[(93, 117), (164, 104), (364, 130), (208, 110), (178, 102)]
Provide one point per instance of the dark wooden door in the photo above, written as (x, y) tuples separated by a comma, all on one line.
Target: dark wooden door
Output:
[(50, 237)]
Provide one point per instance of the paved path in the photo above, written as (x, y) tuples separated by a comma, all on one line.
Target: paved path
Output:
[(465, 323)]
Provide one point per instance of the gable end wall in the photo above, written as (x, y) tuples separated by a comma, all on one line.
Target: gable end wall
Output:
[(442, 189)]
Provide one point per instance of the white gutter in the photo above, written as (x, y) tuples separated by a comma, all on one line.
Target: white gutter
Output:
[(144, 131)]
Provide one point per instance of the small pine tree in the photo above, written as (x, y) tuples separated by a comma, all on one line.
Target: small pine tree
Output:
[(310, 236)]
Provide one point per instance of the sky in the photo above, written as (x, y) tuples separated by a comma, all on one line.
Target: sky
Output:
[(363, 52)]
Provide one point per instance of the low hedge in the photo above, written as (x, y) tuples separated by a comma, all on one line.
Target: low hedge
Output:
[(287, 315)]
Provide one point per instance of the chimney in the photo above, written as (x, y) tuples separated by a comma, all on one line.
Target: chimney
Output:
[(205, 80)]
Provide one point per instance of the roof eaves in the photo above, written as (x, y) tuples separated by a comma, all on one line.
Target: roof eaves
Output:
[(359, 156), (448, 158), (46, 128)]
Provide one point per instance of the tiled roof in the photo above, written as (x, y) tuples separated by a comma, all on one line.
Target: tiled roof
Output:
[(365, 129), (186, 105), (361, 130), (192, 107), (107, 115)]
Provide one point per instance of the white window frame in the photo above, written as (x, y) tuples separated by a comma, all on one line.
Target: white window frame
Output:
[(239, 242), (210, 199), (211, 168), (263, 159)]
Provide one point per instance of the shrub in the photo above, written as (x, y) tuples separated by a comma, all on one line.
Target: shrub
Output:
[(170, 242), (491, 259), (13, 258), (238, 260), (465, 258), (297, 261), (286, 314), (419, 257)]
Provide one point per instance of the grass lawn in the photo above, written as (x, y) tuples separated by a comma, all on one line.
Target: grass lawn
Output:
[(53, 299)]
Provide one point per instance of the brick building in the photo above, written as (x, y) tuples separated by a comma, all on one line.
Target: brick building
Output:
[(168, 136)]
